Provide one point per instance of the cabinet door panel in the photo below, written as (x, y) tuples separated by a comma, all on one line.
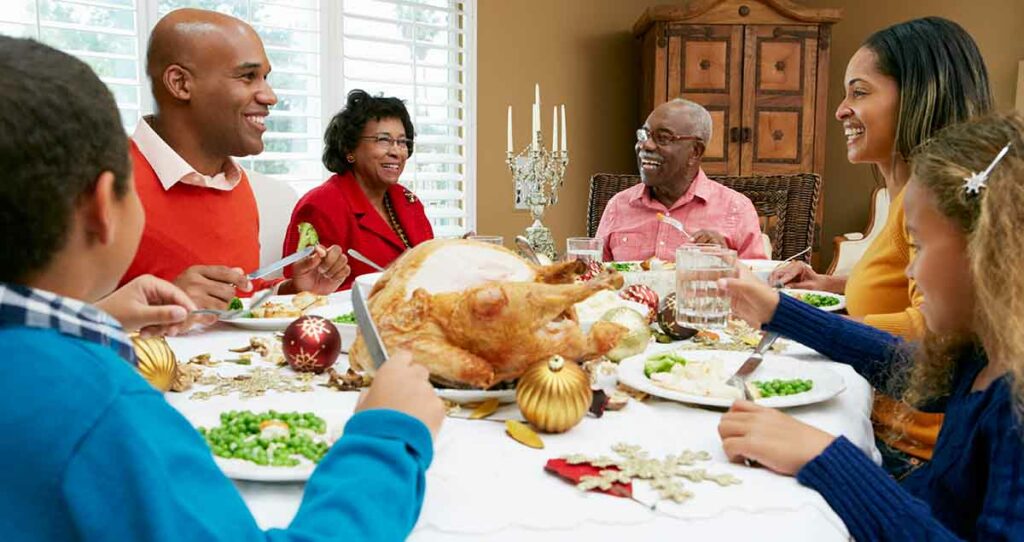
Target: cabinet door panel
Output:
[(704, 65), (779, 99)]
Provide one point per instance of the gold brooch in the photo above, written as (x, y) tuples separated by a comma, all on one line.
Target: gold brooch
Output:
[(409, 196)]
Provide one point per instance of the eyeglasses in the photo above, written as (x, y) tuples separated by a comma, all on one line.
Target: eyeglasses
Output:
[(663, 139), (384, 141)]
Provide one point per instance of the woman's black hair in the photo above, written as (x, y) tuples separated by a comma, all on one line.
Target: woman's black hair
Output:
[(940, 74), (344, 130)]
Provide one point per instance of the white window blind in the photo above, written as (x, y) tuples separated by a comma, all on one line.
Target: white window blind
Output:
[(418, 50), (103, 33)]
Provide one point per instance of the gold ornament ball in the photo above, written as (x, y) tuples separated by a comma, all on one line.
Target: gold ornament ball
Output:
[(156, 361), (554, 395)]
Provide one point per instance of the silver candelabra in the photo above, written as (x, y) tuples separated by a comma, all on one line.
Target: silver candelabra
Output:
[(537, 174)]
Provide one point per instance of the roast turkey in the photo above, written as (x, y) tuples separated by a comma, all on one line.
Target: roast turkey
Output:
[(477, 314)]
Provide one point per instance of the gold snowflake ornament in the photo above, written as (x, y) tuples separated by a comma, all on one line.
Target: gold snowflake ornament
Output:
[(664, 475), (305, 361), (313, 328)]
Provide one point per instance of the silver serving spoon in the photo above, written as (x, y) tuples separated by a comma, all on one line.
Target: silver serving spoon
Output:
[(527, 250)]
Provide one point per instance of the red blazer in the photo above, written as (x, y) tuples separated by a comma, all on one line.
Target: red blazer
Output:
[(343, 216)]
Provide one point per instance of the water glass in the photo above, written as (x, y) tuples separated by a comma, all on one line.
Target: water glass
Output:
[(492, 239), (699, 301), (587, 249)]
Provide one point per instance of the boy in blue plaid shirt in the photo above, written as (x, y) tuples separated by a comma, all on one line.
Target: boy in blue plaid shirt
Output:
[(91, 450)]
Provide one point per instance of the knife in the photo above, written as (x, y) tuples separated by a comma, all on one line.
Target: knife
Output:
[(367, 328), (279, 264), (739, 378)]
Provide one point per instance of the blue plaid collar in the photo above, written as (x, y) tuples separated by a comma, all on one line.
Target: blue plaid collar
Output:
[(24, 306)]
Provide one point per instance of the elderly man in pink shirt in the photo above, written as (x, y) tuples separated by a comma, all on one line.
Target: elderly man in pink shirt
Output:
[(669, 149)]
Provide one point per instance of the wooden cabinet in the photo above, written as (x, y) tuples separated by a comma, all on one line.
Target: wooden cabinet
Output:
[(760, 67)]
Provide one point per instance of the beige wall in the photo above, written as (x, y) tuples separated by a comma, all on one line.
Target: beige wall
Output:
[(582, 53)]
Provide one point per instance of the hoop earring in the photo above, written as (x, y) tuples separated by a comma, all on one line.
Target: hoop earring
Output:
[(351, 159)]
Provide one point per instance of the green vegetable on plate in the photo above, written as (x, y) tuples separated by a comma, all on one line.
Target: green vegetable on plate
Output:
[(268, 438), (781, 388), (818, 300), (621, 266), (349, 318), (235, 304), (662, 362)]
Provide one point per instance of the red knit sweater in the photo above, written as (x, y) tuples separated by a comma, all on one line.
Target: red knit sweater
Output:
[(191, 225)]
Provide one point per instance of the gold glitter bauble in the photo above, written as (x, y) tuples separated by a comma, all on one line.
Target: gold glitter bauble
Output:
[(554, 395), (157, 362)]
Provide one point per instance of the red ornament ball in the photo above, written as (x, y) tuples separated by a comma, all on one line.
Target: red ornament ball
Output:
[(311, 344), (594, 269), (643, 294)]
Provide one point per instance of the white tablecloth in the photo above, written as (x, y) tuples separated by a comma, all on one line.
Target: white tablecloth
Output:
[(484, 486)]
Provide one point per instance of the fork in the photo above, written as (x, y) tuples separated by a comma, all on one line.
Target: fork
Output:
[(228, 315), (778, 284), (674, 223), (358, 256)]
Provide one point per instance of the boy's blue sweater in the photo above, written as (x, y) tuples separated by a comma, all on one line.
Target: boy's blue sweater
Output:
[(91, 452)]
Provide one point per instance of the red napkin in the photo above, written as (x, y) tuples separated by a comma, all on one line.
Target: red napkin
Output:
[(574, 474)]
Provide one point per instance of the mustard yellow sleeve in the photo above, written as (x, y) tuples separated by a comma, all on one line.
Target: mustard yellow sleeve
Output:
[(908, 323)]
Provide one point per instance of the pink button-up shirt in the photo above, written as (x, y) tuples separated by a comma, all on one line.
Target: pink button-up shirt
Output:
[(631, 229), (171, 168)]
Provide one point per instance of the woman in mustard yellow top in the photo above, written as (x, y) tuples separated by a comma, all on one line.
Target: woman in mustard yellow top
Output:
[(904, 84)]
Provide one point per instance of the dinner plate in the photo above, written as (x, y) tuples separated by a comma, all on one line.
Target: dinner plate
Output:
[(239, 469), (208, 415), (476, 396), (827, 383), (838, 307), (762, 268), (662, 281), (337, 304)]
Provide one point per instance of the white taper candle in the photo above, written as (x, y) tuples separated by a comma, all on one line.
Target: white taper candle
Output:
[(564, 130), (510, 128), (554, 129)]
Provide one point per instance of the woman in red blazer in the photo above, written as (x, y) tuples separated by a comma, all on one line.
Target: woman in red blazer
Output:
[(362, 206)]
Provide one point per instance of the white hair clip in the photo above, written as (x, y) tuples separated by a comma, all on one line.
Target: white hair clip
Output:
[(976, 181)]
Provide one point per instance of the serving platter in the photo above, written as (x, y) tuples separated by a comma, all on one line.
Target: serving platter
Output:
[(476, 396)]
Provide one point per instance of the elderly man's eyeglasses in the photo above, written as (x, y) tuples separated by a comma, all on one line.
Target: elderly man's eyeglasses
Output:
[(663, 139), (384, 141)]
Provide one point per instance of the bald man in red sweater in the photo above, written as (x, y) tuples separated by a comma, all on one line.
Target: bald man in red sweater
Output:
[(209, 79)]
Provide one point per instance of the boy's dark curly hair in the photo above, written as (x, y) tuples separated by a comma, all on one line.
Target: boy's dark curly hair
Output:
[(344, 130)]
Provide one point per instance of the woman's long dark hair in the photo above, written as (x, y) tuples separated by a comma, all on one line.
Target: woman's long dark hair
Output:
[(940, 74)]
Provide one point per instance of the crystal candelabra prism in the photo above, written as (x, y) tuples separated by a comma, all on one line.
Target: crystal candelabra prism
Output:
[(537, 174)]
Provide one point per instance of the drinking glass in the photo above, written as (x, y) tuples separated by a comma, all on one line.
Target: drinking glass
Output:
[(492, 239), (588, 249), (699, 302)]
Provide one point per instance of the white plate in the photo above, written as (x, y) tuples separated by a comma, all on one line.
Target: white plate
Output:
[(337, 304), (476, 396), (662, 281), (833, 308), (239, 469), (827, 383), (762, 268)]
